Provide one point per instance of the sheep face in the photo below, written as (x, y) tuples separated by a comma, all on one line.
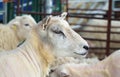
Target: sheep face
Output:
[(22, 25), (56, 32)]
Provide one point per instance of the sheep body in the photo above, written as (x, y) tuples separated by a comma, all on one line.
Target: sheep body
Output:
[(15, 31), (8, 39), (106, 68), (63, 60), (31, 59), (35, 55)]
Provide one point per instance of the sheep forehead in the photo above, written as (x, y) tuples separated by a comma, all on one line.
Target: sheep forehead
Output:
[(17, 17), (61, 22), (28, 17)]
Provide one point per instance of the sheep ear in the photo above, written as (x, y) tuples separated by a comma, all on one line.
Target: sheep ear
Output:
[(63, 15), (64, 73), (15, 25), (44, 22)]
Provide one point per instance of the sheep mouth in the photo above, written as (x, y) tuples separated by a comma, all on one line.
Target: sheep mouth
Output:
[(83, 54)]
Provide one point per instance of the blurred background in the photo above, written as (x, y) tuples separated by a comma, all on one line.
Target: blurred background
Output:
[(97, 21)]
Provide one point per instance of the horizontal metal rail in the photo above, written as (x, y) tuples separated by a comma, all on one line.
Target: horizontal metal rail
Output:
[(87, 9), (76, 16), (92, 9), (102, 40), (100, 26), (91, 31), (88, 0), (91, 17), (97, 48), (88, 14), (39, 13)]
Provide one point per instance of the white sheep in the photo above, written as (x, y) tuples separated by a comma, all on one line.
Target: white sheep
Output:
[(15, 31), (106, 68), (35, 55), (64, 60)]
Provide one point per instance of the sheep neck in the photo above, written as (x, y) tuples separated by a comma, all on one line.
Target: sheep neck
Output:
[(39, 55)]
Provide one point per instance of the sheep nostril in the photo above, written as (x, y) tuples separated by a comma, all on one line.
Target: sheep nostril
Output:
[(86, 47)]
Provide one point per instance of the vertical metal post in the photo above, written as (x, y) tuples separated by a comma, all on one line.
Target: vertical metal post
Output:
[(18, 8), (67, 8), (109, 28), (5, 13)]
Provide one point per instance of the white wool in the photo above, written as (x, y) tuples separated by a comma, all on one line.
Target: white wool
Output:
[(15, 31), (63, 60), (106, 68), (8, 39), (31, 59)]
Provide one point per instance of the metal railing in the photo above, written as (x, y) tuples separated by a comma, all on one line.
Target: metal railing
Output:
[(107, 15)]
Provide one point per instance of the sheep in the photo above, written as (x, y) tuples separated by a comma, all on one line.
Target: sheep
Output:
[(34, 57), (63, 60), (15, 31), (105, 68)]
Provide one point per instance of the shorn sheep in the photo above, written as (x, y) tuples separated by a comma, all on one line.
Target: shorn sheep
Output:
[(15, 31), (63, 60), (35, 55), (106, 68)]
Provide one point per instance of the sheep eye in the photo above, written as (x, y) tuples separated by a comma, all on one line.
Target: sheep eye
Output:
[(26, 24), (58, 32)]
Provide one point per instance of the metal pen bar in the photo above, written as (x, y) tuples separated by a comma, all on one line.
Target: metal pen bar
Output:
[(109, 28)]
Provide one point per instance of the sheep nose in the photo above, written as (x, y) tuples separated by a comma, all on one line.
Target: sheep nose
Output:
[(86, 47)]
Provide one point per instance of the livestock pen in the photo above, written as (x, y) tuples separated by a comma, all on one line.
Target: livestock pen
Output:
[(84, 12), (106, 12)]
